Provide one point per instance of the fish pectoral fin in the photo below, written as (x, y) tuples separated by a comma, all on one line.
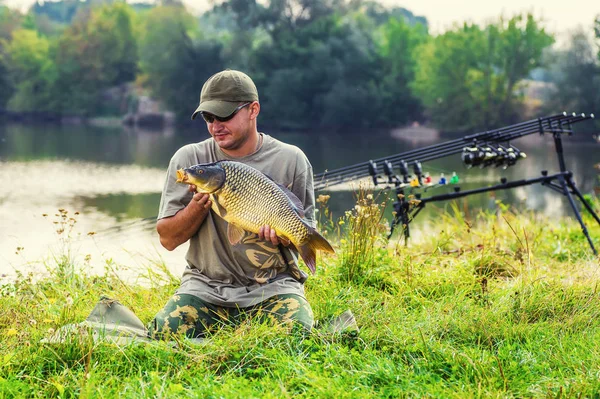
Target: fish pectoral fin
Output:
[(216, 207), (234, 233)]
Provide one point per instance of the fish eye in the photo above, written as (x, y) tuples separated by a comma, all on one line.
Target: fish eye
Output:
[(201, 171)]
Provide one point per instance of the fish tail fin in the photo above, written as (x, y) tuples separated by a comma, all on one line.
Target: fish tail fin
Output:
[(308, 251)]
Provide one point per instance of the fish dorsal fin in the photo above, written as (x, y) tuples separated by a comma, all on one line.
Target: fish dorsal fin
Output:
[(234, 233), (298, 206)]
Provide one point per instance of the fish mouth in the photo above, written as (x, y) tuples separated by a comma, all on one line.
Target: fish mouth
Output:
[(181, 176)]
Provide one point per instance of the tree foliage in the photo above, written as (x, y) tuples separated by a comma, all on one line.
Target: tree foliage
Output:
[(10, 20), (397, 49), (111, 41), (174, 59), (335, 64), (6, 87), (319, 74), (31, 70), (575, 77), (468, 77), (97, 51)]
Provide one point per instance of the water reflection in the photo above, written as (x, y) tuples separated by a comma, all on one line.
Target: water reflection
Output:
[(113, 145), (113, 177), (123, 206)]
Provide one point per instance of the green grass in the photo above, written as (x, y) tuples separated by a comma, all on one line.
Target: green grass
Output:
[(494, 306)]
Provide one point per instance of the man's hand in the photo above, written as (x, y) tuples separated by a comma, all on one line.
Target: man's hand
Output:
[(177, 229), (268, 234), (202, 199)]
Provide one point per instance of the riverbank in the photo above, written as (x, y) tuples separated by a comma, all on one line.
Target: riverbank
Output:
[(493, 305), (154, 120)]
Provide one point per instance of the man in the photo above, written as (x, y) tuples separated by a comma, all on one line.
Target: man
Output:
[(224, 283)]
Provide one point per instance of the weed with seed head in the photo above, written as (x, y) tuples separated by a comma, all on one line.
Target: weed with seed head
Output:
[(363, 234)]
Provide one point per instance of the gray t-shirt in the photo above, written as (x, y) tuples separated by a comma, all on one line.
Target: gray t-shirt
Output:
[(253, 270)]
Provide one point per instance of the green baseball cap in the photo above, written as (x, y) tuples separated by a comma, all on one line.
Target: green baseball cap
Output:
[(222, 93)]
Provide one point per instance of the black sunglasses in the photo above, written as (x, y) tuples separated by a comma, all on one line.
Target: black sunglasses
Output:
[(210, 118)]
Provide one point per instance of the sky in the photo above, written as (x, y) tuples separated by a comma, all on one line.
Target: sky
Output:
[(560, 16)]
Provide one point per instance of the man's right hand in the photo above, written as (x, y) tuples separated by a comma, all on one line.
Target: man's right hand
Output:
[(179, 228), (203, 199)]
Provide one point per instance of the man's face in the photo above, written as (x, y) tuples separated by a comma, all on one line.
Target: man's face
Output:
[(234, 133)]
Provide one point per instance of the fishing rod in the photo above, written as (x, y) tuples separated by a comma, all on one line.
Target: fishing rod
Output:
[(404, 160)]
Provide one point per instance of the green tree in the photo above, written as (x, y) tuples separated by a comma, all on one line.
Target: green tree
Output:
[(444, 64), (575, 77), (397, 48), (469, 77), (6, 87), (32, 72), (175, 61), (111, 41), (248, 22), (235, 24), (319, 74), (10, 20), (96, 52), (323, 62)]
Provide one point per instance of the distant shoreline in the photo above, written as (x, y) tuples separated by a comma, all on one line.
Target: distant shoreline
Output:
[(158, 120)]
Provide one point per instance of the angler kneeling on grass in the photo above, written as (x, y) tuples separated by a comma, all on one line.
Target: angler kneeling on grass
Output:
[(241, 260)]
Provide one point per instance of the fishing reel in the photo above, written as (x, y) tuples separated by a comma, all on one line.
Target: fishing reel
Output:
[(416, 179), (388, 170), (495, 155)]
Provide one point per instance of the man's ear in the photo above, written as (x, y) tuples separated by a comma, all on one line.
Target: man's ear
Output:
[(254, 109)]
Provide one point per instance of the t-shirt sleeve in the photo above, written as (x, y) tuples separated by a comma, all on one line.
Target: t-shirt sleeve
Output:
[(175, 196), (304, 188)]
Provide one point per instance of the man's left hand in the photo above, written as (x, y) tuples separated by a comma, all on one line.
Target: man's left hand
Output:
[(268, 234)]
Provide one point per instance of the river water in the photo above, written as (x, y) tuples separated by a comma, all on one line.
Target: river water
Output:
[(107, 181)]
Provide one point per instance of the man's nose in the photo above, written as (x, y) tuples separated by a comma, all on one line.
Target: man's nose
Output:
[(216, 124)]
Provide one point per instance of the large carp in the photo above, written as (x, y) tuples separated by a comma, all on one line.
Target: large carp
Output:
[(248, 199)]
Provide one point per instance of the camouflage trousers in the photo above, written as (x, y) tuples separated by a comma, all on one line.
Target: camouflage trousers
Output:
[(189, 315)]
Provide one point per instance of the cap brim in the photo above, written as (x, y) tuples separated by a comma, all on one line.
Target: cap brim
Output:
[(216, 107)]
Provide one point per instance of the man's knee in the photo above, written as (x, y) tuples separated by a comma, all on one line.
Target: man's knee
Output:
[(183, 314), (289, 309)]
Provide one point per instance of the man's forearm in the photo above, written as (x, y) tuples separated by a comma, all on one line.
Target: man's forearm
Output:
[(177, 229)]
